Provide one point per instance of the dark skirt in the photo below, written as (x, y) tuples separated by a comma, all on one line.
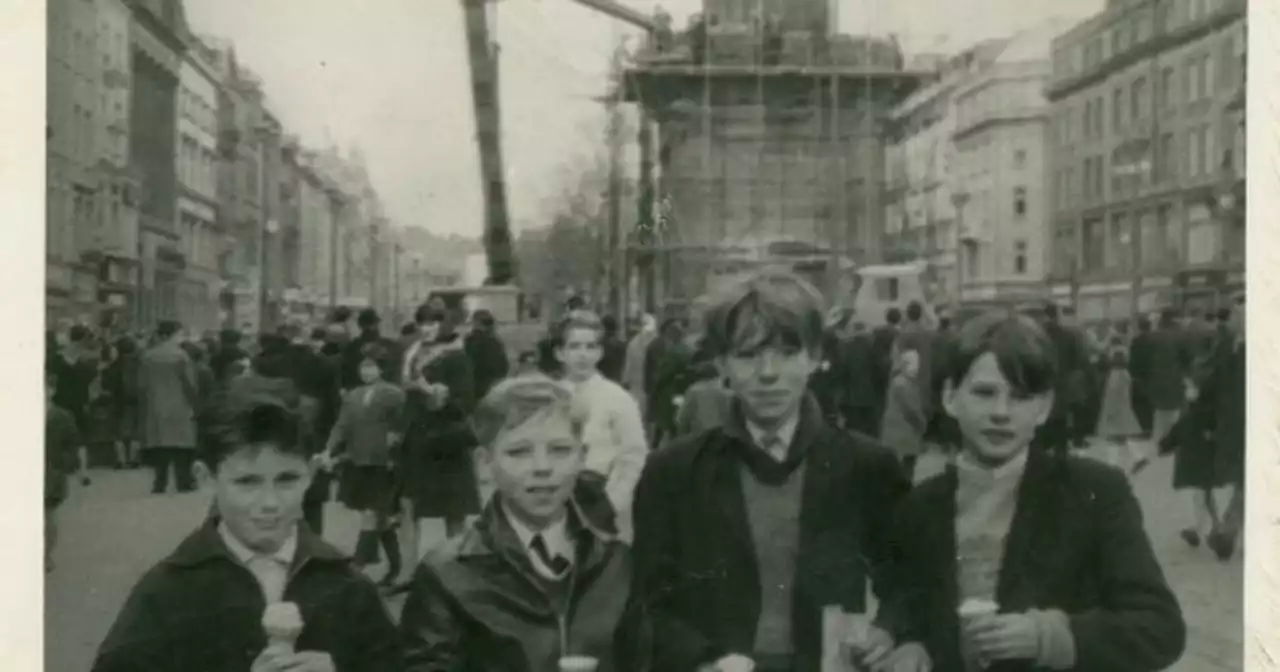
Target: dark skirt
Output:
[(368, 488), (440, 485), (1197, 463)]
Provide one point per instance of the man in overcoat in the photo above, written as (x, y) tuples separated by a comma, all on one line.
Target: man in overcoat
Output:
[(168, 400)]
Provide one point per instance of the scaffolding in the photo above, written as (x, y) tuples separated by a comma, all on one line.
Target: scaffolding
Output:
[(770, 152)]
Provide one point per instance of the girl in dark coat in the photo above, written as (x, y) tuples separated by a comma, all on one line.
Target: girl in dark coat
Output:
[(437, 474), (1023, 558)]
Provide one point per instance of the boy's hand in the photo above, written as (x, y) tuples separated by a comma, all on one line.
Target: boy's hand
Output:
[(307, 661)]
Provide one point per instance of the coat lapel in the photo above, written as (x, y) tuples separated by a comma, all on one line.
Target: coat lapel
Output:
[(1026, 549), (939, 535)]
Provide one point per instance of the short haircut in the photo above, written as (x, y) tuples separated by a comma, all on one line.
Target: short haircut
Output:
[(893, 316), (251, 412), (515, 401), (430, 311), (1022, 349), (915, 311), (576, 319), (409, 329), (381, 356), (79, 333), (339, 315), (575, 302), (483, 317), (229, 336), (610, 324), (126, 346), (771, 308), (167, 328), (317, 333), (368, 319), (1051, 311)]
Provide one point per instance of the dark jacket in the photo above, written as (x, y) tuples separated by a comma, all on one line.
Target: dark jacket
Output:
[(436, 461), (489, 361), (613, 358), (695, 563), (61, 440), (201, 609), (1077, 544), (476, 603), (1170, 361)]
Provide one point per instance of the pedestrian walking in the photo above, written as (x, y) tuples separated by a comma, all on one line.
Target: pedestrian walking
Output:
[(488, 354), (1169, 376), (746, 534), (613, 356), (120, 386), (1140, 373), (862, 398), (251, 588), (633, 371), (62, 444), (613, 431), (1224, 392), (666, 364), (169, 399), (438, 474), (1018, 557), (78, 371), (368, 431), (1117, 423), (904, 422), (537, 581)]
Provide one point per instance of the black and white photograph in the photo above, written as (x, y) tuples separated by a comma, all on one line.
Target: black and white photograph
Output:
[(635, 336)]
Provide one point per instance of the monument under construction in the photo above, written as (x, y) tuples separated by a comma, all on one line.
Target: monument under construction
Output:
[(770, 146)]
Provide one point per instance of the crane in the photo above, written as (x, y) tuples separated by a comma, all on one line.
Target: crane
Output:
[(483, 62)]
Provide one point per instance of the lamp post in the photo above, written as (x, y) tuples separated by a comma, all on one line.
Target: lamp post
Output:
[(958, 201), (267, 229)]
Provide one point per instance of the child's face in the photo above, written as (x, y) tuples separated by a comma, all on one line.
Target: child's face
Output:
[(996, 422), (258, 491), (580, 353), (369, 372), (535, 466)]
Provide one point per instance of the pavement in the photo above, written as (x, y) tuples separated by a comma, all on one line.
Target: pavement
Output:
[(113, 530)]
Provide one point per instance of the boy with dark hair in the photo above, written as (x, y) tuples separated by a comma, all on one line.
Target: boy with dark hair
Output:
[(252, 589), (61, 445), (974, 540), (808, 503)]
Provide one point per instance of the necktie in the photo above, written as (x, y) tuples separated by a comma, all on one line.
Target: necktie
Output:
[(557, 565), (271, 574), (773, 445)]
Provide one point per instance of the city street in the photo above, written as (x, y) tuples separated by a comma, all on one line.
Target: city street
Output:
[(113, 530)]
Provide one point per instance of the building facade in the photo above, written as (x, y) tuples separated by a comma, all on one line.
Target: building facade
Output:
[(1002, 185), (763, 161), (73, 94), (196, 167), (1148, 157), (158, 48), (920, 177)]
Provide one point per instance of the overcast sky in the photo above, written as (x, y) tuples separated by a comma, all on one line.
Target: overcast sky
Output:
[(391, 76)]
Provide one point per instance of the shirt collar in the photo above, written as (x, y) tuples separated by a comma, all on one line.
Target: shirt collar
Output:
[(555, 535), (1017, 465), (786, 432), (284, 555)]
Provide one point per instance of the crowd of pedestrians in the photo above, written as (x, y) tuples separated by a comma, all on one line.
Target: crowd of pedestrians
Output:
[(668, 501)]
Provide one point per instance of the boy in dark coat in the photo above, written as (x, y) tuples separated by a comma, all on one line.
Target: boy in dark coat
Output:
[(253, 568), (746, 534), (61, 444), (1021, 557), (536, 579)]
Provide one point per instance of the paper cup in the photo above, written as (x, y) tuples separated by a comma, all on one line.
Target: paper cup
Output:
[(578, 664)]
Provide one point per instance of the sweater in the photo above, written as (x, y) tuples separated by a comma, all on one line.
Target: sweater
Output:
[(773, 515), (614, 436)]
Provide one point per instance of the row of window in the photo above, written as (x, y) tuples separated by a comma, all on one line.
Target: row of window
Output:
[(1203, 154), (197, 166), (972, 257), (1129, 32), (197, 110), (1153, 239)]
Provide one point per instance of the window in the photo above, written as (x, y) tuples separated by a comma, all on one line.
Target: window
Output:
[(1166, 159), (1227, 64), (1206, 76), (1020, 257), (1019, 158), (1138, 98), (1167, 94), (1120, 244), (1019, 202), (1094, 244), (1195, 152)]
